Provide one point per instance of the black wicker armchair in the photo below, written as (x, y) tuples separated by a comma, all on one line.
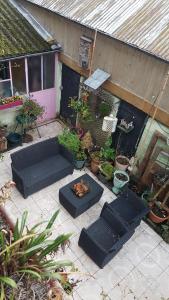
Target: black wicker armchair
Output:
[(105, 237), (130, 208)]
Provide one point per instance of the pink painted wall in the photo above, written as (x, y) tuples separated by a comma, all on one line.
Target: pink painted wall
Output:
[(46, 98)]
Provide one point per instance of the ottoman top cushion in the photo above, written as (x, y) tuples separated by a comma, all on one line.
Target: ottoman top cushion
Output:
[(94, 190)]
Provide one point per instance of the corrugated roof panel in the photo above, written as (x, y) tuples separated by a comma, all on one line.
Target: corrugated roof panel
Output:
[(140, 23)]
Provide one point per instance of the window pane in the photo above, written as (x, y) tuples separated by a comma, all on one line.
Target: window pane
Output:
[(4, 70), (48, 70), (34, 73), (18, 76), (5, 89)]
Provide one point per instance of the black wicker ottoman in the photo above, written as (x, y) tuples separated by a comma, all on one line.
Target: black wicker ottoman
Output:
[(75, 205)]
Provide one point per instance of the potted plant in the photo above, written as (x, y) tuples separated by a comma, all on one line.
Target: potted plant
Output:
[(104, 109), (95, 161), (81, 107), (107, 152), (121, 178), (158, 214), (121, 162), (26, 264), (106, 170), (80, 159), (69, 140), (30, 111), (87, 141)]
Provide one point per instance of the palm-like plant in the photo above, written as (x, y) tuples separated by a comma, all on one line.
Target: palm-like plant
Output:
[(26, 252)]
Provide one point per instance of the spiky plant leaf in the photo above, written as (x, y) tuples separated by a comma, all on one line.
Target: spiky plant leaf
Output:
[(30, 272), (60, 240), (2, 241), (52, 220), (23, 223), (16, 231), (9, 281), (49, 275)]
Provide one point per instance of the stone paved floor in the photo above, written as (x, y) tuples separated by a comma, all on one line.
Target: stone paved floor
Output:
[(139, 271)]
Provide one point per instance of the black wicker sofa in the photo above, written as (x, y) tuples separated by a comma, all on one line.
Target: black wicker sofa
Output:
[(40, 165)]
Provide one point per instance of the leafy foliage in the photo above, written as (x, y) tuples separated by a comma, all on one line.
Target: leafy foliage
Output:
[(107, 152), (104, 109), (27, 253), (107, 169), (81, 155), (81, 106), (70, 141), (31, 108)]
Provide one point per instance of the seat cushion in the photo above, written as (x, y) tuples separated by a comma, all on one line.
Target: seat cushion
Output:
[(43, 170), (103, 234)]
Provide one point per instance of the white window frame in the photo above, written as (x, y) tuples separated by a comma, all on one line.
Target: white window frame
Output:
[(9, 79), (26, 75)]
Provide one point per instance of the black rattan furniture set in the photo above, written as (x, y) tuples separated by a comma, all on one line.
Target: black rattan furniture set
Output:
[(42, 164)]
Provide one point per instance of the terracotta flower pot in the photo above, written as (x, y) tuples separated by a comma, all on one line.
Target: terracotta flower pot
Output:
[(121, 162), (156, 219)]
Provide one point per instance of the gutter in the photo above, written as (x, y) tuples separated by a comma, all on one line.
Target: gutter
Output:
[(30, 55)]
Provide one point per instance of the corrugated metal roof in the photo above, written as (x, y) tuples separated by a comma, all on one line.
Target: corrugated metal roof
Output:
[(17, 36), (141, 23)]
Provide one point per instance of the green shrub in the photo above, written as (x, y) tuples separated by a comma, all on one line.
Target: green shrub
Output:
[(70, 141)]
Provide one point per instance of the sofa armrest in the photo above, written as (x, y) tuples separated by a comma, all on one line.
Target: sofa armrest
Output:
[(18, 180), (66, 153)]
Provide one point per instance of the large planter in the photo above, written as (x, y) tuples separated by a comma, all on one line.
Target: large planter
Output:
[(11, 104), (118, 182), (121, 163), (157, 219)]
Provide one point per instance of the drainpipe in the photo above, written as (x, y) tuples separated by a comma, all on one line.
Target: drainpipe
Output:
[(92, 56)]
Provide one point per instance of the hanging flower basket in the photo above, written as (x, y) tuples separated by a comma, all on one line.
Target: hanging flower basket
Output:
[(10, 102)]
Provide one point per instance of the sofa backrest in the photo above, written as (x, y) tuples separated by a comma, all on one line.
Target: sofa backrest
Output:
[(35, 153), (113, 220)]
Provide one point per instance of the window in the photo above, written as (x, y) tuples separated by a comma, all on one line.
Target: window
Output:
[(18, 76), (34, 73), (5, 89), (4, 70), (48, 71), (5, 81)]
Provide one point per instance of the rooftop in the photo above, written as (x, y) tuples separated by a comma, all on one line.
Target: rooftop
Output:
[(140, 271), (17, 36), (143, 24)]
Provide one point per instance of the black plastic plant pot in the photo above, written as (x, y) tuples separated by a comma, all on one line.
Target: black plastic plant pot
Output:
[(14, 139)]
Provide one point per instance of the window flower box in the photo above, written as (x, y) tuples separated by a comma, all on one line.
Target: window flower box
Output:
[(10, 102)]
